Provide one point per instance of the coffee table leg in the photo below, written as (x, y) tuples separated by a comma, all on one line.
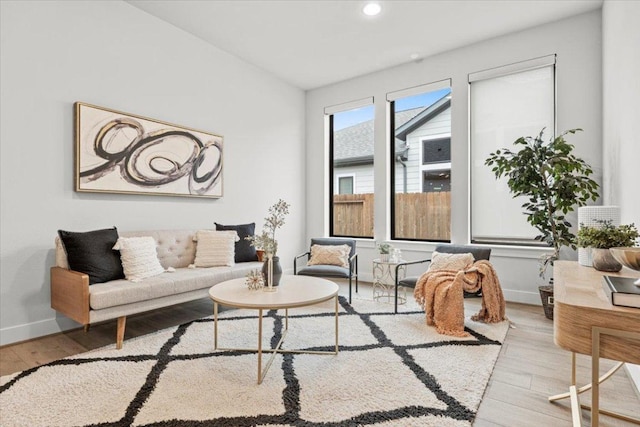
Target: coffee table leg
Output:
[(259, 346), (215, 325), (336, 305)]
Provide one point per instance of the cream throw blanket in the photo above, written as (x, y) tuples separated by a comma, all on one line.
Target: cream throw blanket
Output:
[(440, 294)]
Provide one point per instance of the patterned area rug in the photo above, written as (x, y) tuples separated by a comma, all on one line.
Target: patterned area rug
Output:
[(392, 370)]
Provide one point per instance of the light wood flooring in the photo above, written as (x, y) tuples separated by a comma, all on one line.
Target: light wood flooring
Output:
[(529, 369)]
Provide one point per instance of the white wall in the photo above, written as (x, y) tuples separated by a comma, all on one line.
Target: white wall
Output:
[(621, 110), (112, 54), (576, 41)]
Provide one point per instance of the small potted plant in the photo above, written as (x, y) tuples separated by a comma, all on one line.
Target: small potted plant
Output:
[(267, 240), (604, 236), (384, 249)]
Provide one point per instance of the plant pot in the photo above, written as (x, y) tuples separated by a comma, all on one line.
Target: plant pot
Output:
[(546, 295), (277, 271), (602, 260)]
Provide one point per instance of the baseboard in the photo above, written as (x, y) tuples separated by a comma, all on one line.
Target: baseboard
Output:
[(28, 331)]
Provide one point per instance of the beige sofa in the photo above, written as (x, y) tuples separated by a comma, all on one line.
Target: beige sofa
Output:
[(72, 296)]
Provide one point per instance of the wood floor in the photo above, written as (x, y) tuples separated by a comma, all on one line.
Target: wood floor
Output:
[(529, 369)]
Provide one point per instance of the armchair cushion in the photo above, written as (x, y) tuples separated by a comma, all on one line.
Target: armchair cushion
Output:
[(408, 282), (478, 252), (330, 255), (324, 270), (446, 261), (335, 241)]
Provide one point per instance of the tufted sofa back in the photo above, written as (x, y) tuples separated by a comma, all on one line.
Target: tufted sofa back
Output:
[(176, 248)]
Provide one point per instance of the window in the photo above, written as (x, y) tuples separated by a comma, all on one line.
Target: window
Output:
[(345, 184), (421, 162), (436, 150), (505, 104), (351, 148)]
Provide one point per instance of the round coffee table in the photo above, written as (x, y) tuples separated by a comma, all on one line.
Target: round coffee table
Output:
[(294, 291)]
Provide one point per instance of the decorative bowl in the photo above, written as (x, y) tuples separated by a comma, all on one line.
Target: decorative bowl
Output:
[(629, 257)]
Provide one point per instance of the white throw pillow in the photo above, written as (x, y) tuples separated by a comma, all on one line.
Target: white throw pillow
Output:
[(444, 261), (139, 257), (215, 248), (330, 255)]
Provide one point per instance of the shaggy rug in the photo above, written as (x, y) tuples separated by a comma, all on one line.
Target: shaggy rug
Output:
[(392, 370)]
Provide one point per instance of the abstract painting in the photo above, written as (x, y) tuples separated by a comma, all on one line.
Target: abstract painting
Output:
[(118, 152)]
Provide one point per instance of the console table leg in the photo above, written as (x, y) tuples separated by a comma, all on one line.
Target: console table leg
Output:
[(576, 416)]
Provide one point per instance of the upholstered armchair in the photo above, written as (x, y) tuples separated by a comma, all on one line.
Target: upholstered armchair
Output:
[(347, 270), (478, 253)]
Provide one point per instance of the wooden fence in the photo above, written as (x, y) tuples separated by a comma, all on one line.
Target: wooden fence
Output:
[(418, 215), (353, 215)]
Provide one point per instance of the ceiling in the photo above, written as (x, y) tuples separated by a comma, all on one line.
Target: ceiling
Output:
[(313, 43)]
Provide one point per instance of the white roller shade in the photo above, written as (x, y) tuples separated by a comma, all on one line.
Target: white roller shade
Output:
[(503, 108), (417, 90)]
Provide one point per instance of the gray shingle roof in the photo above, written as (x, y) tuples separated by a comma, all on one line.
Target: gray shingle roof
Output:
[(355, 143)]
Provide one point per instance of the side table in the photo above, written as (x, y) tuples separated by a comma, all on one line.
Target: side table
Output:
[(384, 280)]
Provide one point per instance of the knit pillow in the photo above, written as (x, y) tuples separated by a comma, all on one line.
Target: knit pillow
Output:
[(215, 248), (330, 255), (456, 262), (139, 257)]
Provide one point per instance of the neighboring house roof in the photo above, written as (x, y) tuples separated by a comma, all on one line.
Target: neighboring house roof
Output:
[(423, 117), (353, 145)]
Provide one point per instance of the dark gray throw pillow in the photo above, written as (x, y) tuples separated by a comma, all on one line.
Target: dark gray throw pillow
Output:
[(244, 251), (91, 253)]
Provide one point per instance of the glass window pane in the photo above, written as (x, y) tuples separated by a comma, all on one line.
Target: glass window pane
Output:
[(421, 171), (345, 185), (352, 148)]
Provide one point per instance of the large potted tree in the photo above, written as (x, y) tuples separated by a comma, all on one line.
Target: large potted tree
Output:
[(553, 180)]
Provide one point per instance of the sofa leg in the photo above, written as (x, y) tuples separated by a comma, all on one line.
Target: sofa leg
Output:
[(86, 328), (120, 333)]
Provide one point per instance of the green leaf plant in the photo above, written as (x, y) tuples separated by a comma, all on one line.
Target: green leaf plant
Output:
[(607, 235), (553, 180)]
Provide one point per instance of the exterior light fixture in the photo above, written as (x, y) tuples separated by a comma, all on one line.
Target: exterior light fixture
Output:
[(371, 9)]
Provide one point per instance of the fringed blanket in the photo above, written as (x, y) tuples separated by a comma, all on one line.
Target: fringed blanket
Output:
[(440, 293)]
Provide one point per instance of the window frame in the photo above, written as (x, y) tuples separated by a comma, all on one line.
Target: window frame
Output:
[(329, 113), (391, 98)]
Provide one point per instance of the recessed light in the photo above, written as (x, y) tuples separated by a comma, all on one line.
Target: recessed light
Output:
[(414, 56), (371, 9)]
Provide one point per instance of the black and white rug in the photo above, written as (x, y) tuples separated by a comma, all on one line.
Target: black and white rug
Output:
[(392, 370)]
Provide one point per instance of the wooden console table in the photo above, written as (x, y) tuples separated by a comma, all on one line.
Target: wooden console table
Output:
[(586, 322)]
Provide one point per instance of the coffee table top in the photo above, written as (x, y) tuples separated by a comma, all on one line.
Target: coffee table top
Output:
[(294, 291)]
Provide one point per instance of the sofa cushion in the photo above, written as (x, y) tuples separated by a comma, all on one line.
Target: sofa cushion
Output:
[(92, 253), (215, 248), (139, 257), (244, 251), (121, 292)]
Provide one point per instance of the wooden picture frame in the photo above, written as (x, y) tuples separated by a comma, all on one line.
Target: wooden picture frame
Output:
[(123, 153)]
